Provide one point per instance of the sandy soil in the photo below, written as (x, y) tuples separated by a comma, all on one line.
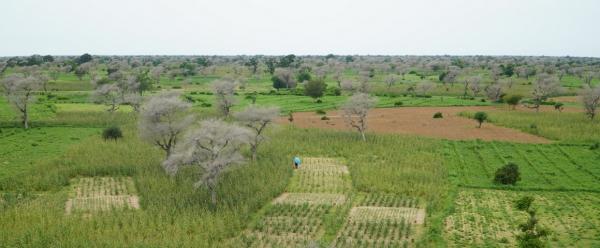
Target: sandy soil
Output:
[(419, 121)]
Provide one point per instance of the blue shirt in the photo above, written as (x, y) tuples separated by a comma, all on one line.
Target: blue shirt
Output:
[(297, 160)]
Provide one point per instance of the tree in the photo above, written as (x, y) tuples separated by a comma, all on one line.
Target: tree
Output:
[(163, 119), (86, 57), (252, 63), (532, 234), (494, 92), (257, 119), (513, 100), (284, 78), (287, 61), (474, 80), (423, 88), (224, 95), (315, 88), (19, 91), (110, 95), (480, 117), (304, 75), (507, 174), (213, 149), (588, 77), (271, 64), (390, 80), (355, 111), (544, 87), (591, 100)]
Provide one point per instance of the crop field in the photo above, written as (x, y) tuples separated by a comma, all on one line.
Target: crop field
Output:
[(102, 194), (488, 218), (379, 220), (552, 166), (295, 219)]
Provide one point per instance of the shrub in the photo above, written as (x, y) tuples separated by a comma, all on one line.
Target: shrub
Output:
[(398, 103), (320, 112), (513, 100), (508, 174), (205, 105), (319, 101), (558, 106), (176, 87), (438, 115), (113, 133), (480, 117), (324, 118), (595, 146)]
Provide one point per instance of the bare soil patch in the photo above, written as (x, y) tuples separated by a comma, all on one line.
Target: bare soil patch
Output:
[(420, 121)]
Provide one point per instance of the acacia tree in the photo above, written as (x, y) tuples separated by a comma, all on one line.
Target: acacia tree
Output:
[(474, 80), (162, 120), (494, 92), (283, 78), (315, 88), (110, 95), (355, 112), (545, 86), (588, 77), (390, 80), (591, 101), (224, 95), (19, 93), (532, 235), (213, 149), (257, 119), (423, 88)]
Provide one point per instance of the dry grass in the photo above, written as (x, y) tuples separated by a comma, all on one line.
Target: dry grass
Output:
[(93, 194), (310, 198)]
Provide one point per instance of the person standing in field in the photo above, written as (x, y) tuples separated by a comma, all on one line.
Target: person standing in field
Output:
[(297, 162)]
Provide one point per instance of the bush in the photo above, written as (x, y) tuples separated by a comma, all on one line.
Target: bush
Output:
[(398, 103), (508, 174), (438, 115), (513, 100), (319, 101), (480, 117), (113, 133), (595, 146), (324, 118), (320, 112)]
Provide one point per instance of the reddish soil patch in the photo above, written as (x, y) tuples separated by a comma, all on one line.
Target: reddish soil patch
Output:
[(420, 121)]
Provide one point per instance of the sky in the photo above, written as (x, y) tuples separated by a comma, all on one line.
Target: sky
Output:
[(301, 27)]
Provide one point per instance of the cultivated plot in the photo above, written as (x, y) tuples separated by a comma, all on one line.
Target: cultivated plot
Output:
[(93, 194), (488, 218)]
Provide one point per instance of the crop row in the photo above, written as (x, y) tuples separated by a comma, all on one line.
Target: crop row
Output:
[(387, 200), (311, 198), (103, 186), (488, 218)]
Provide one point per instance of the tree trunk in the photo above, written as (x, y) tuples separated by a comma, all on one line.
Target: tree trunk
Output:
[(362, 133), (25, 118), (254, 148), (213, 198), (481, 122)]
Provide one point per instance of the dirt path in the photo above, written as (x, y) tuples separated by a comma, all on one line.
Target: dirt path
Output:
[(420, 121)]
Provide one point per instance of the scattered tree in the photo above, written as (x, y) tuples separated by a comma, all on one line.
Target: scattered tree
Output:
[(224, 95), (284, 78), (163, 118), (544, 87), (213, 149), (110, 95), (19, 91), (390, 80), (355, 111), (507, 174), (257, 119), (513, 100), (315, 88), (113, 133), (591, 100), (480, 117), (532, 234), (494, 92)]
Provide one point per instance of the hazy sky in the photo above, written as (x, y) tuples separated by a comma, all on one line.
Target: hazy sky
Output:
[(456, 27)]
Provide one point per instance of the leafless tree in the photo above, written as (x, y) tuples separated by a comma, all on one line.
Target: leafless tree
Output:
[(213, 148), (286, 76), (110, 95), (19, 91), (163, 118), (475, 86), (494, 92), (347, 85), (545, 86), (338, 77), (423, 88), (133, 100), (468, 82), (588, 77), (155, 73), (355, 111), (224, 95), (591, 100), (390, 80), (257, 119)]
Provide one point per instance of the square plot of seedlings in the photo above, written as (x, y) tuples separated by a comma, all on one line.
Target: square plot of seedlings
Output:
[(93, 194), (310, 198), (366, 213)]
